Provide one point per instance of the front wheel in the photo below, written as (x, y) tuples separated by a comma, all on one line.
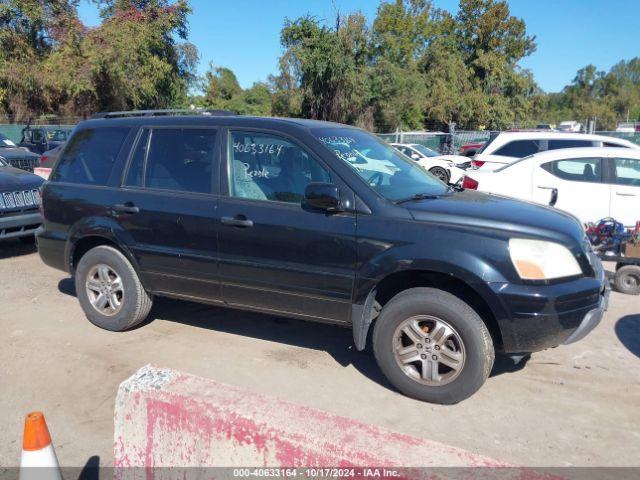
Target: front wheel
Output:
[(109, 290), (440, 173), (432, 346)]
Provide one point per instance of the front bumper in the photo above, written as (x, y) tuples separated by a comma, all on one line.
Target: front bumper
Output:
[(540, 317), (19, 225)]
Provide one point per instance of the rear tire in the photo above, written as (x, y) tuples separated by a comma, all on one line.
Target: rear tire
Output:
[(627, 280), (440, 173), (464, 338), (109, 290)]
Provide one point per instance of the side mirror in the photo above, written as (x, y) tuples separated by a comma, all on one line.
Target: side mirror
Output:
[(415, 156), (323, 196), (554, 197)]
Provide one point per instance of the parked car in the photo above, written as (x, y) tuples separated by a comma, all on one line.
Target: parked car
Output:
[(16, 156), (570, 126), (443, 167), (545, 127), (19, 202), (263, 214), (507, 147), (590, 183), (470, 149), (49, 158), (39, 139)]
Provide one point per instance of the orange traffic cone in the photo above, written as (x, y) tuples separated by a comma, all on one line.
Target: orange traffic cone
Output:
[(38, 460)]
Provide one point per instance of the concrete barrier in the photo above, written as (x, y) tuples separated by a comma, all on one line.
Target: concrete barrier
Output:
[(167, 418)]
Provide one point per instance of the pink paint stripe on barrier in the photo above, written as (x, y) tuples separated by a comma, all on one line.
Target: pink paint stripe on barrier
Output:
[(167, 418)]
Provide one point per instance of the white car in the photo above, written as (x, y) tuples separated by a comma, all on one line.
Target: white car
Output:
[(590, 183), (448, 168), (569, 126), (507, 147)]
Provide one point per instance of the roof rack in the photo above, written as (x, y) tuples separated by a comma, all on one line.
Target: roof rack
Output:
[(158, 113)]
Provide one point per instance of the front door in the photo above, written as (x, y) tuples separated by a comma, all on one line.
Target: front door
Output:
[(276, 255), (168, 207), (625, 190), (579, 186)]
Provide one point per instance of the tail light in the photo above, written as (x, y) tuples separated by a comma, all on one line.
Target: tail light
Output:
[(477, 163), (43, 160), (469, 183)]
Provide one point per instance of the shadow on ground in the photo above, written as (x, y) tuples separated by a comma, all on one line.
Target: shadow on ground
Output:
[(16, 248), (628, 332), (336, 341)]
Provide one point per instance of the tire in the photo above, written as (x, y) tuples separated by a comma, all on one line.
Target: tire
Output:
[(134, 302), (470, 337), (440, 173), (627, 280)]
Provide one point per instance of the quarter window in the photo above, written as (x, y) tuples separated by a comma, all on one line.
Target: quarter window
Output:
[(566, 143), (576, 169), (90, 156), (627, 171), (179, 159), (267, 167), (519, 148)]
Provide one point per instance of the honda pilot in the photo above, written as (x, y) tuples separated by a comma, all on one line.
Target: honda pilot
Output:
[(274, 215)]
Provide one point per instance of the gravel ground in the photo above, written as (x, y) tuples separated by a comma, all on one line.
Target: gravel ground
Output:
[(573, 405)]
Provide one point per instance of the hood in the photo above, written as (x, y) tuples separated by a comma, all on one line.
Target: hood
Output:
[(16, 153), (15, 179), (470, 208)]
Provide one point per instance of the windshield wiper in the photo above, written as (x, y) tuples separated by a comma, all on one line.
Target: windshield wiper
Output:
[(417, 196)]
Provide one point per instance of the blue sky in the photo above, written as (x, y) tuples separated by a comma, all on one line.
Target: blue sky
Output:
[(244, 35)]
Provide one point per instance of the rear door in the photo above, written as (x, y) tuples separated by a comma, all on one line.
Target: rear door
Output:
[(579, 185), (168, 208), (625, 190), (275, 254)]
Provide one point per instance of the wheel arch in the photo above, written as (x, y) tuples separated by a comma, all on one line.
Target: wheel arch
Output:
[(474, 294)]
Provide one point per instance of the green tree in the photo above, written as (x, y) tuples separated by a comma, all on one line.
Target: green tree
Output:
[(222, 86)]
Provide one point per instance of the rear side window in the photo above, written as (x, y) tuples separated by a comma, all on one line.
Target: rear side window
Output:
[(90, 156), (576, 169), (627, 171), (557, 144), (178, 159), (519, 148), (614, 145)]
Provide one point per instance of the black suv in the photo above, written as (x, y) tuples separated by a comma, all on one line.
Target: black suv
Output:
[(274, 215)]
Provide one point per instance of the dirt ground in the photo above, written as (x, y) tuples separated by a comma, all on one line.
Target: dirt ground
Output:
[(573, 405)]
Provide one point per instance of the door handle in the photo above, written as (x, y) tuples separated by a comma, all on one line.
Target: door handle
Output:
[(238, 221), (125, 208), (624, 194)]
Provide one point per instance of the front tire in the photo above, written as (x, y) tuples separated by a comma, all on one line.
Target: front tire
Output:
[(440, 173), (432, 346), (109, 290)]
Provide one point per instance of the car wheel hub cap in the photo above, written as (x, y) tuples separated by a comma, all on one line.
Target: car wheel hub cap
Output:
[(428, 350), (104, 290)]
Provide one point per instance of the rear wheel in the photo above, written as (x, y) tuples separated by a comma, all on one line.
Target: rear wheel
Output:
[(440, 173), (627, 279), (432, 346), (109, 290)]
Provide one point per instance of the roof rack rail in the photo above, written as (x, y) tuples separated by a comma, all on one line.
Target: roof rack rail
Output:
[(158, 113)]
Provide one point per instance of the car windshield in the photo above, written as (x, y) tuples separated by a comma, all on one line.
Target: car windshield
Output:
[(386, 170), (58, 135), (427, 152), (5, 142)]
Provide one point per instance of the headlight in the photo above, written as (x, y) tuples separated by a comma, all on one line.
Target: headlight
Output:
[(540, 260)]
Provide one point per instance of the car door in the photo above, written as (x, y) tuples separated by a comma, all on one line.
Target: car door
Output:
[(275, 254), (167, 206), (579, 186), (625, 190)]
